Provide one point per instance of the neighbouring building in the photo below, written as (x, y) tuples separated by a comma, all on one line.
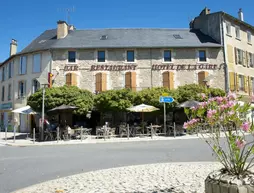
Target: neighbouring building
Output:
[(104, 59), (237, 39)]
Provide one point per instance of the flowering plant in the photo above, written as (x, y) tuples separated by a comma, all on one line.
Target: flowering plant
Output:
[(224, 117)]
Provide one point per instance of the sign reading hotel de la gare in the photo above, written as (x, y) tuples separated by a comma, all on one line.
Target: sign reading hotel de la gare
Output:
[(105, 67)]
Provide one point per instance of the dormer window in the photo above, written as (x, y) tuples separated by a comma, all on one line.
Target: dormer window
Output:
[(72, 56), (104, 37)]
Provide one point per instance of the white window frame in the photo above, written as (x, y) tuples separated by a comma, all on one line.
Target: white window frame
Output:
[(206, 52), (21, 65), (9, 92), (228, 26), (19, 90), (135, 55), (237, 28), (34, 62), (249, 37), (106, 56)]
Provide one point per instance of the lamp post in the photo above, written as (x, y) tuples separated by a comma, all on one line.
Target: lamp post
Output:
[(43, 82)]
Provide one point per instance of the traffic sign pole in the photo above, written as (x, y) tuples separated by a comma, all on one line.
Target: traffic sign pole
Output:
[(164, 118)]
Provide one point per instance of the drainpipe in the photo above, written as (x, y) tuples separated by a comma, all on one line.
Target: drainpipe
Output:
[(225, 59)]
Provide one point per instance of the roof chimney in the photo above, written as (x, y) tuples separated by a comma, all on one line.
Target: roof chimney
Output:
[(240, 14), (13, 47), (71, 27), (62, 29)]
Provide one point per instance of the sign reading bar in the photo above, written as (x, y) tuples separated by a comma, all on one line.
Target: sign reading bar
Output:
[(184, 67), (113, 67), (71, 68)]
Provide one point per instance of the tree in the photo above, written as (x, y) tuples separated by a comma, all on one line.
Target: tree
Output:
[(68, 95), (114, 100)]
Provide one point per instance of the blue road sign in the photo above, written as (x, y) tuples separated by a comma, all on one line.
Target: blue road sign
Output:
[(166, 99)]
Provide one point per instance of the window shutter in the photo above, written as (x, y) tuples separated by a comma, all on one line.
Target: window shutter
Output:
[(230, 54), (244, 58), (171, 80), (74, 79), (98, 82), (247, 59), (249, 85), (201, 76), (68, 79), (236, 61), (128, 80), (232, 81), (237, 81), (165, 76), (103, 81), (133, 81), (246, 84)]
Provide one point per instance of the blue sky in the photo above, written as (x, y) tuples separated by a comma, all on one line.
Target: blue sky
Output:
[(25, 20)]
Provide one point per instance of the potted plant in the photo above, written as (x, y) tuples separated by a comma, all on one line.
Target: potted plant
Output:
[(223, 124)]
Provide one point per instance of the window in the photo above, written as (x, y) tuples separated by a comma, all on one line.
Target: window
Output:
[(10, 69), (36, 63), (228, 28), (239, 56), (22, 65), (3, 74), (9, 92), (167, 56), (71, 79), (130, 80), (72, 56), (250, 59), (3, 93), (101, 57), (237, 32), (202, 55), (100, 82), (201, 77), (36, 86), (130, 56), (249, 37), (22, 89), (241, 83), (168, 80)]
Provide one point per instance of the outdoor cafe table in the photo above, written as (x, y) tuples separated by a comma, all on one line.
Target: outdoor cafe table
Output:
[(155, 129)]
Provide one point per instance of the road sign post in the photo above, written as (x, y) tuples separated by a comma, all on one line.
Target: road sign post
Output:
[(164, 100)]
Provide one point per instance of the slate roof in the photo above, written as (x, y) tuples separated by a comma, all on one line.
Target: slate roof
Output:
[(122, 38)]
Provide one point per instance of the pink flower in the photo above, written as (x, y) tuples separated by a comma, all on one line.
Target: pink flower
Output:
[(245, 126), (219, 99), (203, 104), (203, 96), (210, 113), (223, 107), (185, 125), (230, 103), (240, 143), (231, 113), (232, 96)]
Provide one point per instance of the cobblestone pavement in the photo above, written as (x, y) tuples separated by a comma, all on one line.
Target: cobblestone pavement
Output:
[(152, 178)]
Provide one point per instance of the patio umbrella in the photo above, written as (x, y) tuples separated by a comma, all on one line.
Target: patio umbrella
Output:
[(63, 108), (188, 104), (142, 108), (25, 110)]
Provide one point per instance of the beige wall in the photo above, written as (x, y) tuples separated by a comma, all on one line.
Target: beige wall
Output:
[(145, 58)]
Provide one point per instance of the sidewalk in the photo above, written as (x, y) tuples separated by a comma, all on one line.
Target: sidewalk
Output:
[(22, 140)]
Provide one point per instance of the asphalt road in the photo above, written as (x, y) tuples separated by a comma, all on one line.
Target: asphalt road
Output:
[(24, 166)]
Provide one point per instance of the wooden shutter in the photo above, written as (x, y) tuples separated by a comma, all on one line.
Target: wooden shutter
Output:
[(249, 86), (165, 76), (98, 82), (247, 59), (171, 80), (68, 79), (236, 81), (244, 58), (232, 81), (103, 81), (133, 81), (74, 81), (236, 61), (246, 88), (230, 54), (128, 80), (201, 77)]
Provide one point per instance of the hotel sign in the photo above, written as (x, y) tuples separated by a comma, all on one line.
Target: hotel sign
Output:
[(184, 67)]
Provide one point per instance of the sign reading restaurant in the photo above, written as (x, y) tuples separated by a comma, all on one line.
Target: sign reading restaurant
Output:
[(155, 67)]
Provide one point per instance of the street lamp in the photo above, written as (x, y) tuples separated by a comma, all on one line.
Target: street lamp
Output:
[(43, 82)]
